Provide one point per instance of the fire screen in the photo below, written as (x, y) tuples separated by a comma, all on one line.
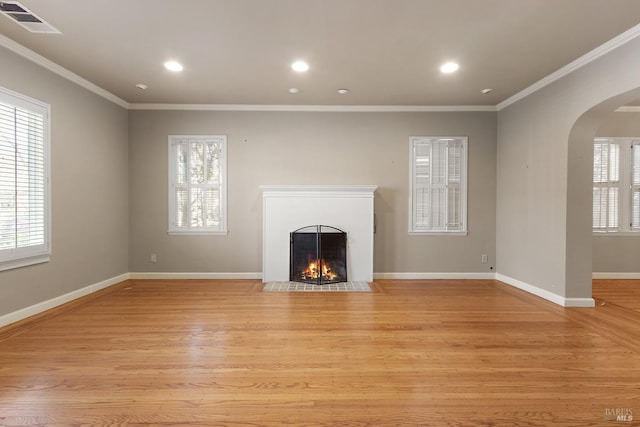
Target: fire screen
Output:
[(318, 255)]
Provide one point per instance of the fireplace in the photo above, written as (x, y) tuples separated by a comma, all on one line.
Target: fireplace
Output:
[(318, 255), (289, 207)]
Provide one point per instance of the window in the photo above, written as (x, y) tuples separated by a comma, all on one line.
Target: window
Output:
[(438, 185), (616, 185), (197, 184), (24, 181)]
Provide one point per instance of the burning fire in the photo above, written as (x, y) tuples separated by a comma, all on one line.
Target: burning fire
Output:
[(313, 271)]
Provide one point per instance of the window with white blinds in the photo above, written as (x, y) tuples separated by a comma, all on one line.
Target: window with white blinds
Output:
[(197, 184), (24, 181), (438, 185), (616, 185)]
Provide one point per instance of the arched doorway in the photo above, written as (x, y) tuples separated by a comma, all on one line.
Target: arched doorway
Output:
[(544, 176), (579, 192)]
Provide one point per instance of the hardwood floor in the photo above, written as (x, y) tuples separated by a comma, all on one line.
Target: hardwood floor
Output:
[(411, 353)]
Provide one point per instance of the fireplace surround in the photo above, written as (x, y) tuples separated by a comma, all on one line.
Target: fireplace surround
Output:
[(289, 207)]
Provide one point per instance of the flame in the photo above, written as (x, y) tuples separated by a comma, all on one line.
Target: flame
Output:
[(313, 271)]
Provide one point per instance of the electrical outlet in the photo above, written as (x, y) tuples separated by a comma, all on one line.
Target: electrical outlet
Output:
[(154, 258), (484, 259)]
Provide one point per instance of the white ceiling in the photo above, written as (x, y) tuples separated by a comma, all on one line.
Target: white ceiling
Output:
[(387, 52)]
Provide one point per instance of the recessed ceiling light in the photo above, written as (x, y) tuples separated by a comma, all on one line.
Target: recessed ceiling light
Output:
[(142, 86), (300, 66), (449, 67), (486, 91), (173, 66), (343, 91), (294, 90)]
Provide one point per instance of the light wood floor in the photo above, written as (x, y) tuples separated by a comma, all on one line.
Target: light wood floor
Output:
[(411, 353)]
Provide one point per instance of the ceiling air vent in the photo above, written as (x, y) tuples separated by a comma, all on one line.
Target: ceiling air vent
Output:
[(23, 16)]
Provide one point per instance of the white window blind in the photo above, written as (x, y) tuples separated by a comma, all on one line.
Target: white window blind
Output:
[(438, 185), (197, 184), (616, 185), (24, 181), (606, 185)]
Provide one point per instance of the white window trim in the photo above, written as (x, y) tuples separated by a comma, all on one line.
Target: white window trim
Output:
[(463, 188), (626, 169), (616, 233), (23, 257), (222, 230)]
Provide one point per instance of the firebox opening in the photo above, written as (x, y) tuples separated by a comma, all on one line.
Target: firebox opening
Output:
[(318, 255)]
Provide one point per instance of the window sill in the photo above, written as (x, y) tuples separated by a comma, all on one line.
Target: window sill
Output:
[(439, 233), (197, 233), (616, 233), (24, 262)]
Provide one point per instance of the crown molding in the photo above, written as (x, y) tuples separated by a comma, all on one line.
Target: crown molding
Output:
[(596, 53), (59, 70), (315, 108)]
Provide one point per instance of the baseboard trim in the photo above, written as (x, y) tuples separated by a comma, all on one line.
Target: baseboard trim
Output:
[(40, 307), (187, 276), (616, 276), (579, 302), (63, 299), (543, 293), (434, 276)]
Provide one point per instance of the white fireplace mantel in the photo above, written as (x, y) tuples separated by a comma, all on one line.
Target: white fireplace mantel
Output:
[(287, 208)]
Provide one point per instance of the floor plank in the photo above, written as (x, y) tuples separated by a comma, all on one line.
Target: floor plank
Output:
[(410, 353)]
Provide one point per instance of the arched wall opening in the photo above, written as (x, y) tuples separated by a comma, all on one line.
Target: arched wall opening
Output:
[(579, 263), (544, 175), (616, 255)]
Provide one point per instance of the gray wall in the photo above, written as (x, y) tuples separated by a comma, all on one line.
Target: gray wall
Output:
[(617, 254), (106, 182), (89, 188), (545, 158), (308, 148)]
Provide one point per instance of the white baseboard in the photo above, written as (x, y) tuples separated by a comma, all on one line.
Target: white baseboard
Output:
[(543, 293), (434, 276), (535, 290), (618, 276), (54, 302), (62, 299), (187, 276), (579, 302)]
